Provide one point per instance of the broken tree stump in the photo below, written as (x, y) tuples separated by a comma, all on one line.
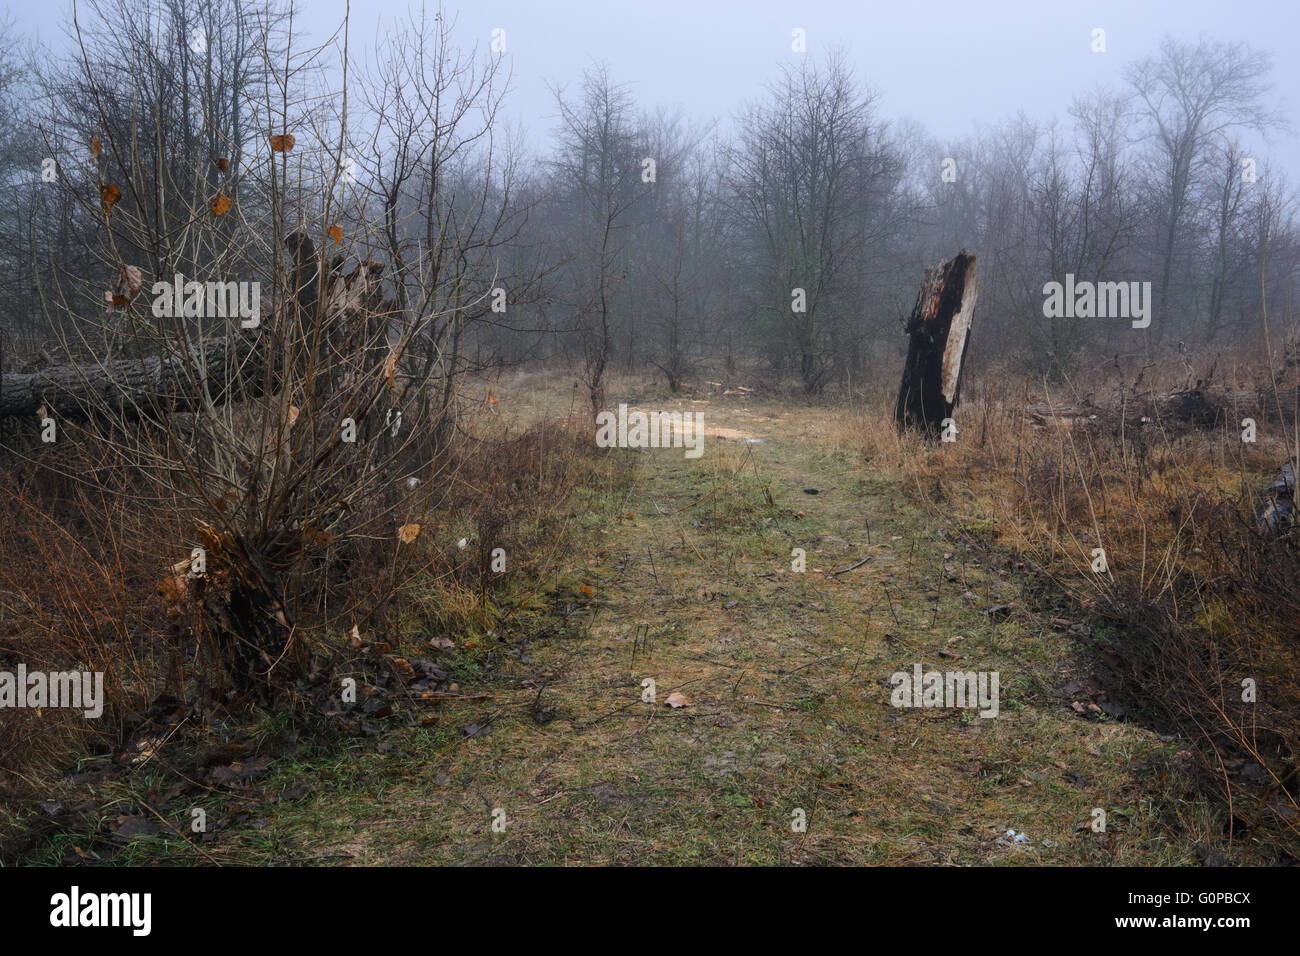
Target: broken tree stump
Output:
[(939, 331)]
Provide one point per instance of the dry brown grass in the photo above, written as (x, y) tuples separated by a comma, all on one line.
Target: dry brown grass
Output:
[(87, 583), (76, 592), (1194, 600)]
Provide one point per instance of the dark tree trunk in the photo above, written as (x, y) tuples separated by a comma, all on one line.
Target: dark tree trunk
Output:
[(939, 330)]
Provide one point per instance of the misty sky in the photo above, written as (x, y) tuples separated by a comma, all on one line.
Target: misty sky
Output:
[(950, 66)]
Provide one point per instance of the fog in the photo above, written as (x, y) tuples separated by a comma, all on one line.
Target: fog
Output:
[(478, 396), (951, 66)]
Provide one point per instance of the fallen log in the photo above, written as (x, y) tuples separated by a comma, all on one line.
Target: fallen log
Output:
[(1176, 413), (939, 334), (176, 381)]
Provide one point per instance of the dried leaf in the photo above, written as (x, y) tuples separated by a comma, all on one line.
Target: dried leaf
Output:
[(293, 415), (282, 143), (223, 164), (143, 749), (336, 233), (408, 533), (354, 637), (130, 827), (132, 280), (110, 195), (279, 615), (173, 590), (676, 699), (220, 204), (390, 368), (96, 147)]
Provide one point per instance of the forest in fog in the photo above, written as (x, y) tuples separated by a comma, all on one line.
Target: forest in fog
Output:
[(411, 457), (625, 233)]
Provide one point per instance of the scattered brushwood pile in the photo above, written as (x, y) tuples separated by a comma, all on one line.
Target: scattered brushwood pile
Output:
[(1177, 412), (1162, 536)]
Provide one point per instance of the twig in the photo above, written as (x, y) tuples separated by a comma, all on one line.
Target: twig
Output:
[(852, 567)]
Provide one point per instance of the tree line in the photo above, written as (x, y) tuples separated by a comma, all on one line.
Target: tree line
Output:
[(633, 237)]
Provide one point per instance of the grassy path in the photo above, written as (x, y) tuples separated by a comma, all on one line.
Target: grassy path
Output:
[(686, 579), (787, 680)]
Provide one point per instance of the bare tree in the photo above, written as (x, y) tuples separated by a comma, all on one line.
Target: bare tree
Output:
[(808, 173), (1189, 94), (599, 183), (245, 406), (443, 183)]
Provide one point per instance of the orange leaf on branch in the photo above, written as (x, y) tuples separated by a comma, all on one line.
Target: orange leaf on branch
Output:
[(110, 195), (390, 368), (173, 590)]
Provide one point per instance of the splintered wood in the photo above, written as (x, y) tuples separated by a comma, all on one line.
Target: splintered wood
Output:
[(939, 332)]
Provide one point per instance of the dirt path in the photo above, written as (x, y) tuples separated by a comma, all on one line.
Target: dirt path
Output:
[(787, 678)]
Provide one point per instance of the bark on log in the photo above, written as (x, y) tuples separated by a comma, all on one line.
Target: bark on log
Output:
[(174, 382), (1178, 413), (939, 331)]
